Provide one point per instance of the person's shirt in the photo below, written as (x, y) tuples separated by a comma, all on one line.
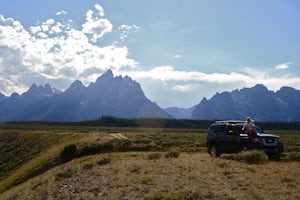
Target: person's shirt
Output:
[(249, 127)]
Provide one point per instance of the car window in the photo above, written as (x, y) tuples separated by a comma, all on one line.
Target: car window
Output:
[(259, 130), (231, 129), (239, 129), (213, 128), (223, 129)]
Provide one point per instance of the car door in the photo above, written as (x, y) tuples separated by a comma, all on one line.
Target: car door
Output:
[(221, 138), (228, 139)]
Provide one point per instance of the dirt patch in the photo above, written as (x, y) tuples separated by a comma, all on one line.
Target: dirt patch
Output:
[(119, 136)]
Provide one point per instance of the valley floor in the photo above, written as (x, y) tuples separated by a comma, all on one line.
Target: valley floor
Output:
[(133, 175)]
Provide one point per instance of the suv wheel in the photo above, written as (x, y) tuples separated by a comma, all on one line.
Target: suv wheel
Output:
[(213, 151), (274, 157), (243, 148)]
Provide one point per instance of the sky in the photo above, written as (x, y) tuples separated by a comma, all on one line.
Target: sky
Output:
[(179, 51)]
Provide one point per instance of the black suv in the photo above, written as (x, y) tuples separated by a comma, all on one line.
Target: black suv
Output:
[(229, 137)]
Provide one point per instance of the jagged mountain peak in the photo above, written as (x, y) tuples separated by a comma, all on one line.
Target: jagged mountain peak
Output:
[(40, 90), (106, 76), (75, 86), (14, 95), (107, 80), (287, 90)]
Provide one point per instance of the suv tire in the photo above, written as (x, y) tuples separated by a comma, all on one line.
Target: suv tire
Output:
[(243, 148), (274, 157), (213, 151)]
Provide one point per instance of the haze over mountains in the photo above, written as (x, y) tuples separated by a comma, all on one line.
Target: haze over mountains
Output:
[(123, 97)]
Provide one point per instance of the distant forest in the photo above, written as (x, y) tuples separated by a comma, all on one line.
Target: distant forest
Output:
[(108, 121)]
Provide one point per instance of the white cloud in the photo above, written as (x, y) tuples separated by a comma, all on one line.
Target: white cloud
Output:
[(246, 76), (283, 65), (100, 10), (127, 29), (57, 53), (182, 88), (62, 12), (168, 73), (95, 26)]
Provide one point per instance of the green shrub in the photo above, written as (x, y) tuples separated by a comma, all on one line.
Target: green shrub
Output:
[(93, 149), (104, 161), (250, 157), (121, 145), (88, 166), (293, 156), (66, 174), (172, 154), (153, 156)]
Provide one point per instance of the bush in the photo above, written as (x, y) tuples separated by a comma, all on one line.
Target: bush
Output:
[(104, 161), (293, 156), (153, 156), (172, 154), (250, 157), (88, 166), (121, 145), (69, 153), (65, 174)]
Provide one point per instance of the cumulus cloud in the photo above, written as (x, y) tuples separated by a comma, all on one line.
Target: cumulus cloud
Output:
[(57, 52), (95, 25), (245, 76), (100, 10)]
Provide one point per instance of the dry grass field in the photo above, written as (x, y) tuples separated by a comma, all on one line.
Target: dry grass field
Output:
[(190, 176), (151, 164)]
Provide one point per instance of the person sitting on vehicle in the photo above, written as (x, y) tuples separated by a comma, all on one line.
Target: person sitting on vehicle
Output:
[(249, 127)]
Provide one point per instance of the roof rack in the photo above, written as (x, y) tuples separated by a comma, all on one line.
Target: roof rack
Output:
[(229, 122)]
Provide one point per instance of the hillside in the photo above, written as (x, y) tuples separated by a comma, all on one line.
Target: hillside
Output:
[(136, 163), (191, 176)]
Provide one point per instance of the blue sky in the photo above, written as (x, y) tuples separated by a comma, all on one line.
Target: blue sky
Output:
[(179, 51)]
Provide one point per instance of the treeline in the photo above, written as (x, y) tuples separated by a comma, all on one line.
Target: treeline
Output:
[(108, 121)]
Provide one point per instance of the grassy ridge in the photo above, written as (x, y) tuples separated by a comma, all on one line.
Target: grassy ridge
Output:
[(25, 149), (18, 148)]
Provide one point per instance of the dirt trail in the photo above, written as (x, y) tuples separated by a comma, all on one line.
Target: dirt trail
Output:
[(119, 136)]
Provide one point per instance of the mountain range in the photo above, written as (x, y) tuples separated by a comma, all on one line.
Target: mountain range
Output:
[(108, 96), (257, 102), (124, 98)]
